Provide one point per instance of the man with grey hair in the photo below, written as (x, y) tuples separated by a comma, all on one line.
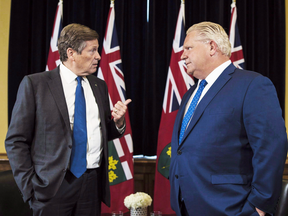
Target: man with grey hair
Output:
[(229, 142), (59, 130)]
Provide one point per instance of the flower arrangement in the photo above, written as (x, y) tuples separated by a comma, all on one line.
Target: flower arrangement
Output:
[(137, 200)]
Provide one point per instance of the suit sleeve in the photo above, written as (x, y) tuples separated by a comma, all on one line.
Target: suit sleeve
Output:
[(20, 137), (112, 130), (266, 133)]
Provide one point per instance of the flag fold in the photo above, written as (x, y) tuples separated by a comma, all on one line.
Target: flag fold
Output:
[(178, 82), (120, 150)]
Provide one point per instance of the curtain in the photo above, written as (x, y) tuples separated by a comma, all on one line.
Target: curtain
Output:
[(146, 46)]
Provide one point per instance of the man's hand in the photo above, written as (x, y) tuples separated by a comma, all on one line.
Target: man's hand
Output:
[(261, 213), (119, 111)]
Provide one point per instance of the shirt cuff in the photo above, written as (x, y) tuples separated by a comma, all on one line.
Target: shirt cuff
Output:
[(122, 129)]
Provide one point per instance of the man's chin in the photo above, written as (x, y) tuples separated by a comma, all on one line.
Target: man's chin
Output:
[(190, 72), (91, 71)]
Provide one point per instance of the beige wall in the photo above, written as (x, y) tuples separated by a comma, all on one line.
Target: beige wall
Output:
[(4, 38)]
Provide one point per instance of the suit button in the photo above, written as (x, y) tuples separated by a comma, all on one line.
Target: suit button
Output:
[(64, 170), (70, 146), (176, 176), (179, 152)]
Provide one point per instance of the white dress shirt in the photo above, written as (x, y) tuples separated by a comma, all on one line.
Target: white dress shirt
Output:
[(210, 79), (94, 135)]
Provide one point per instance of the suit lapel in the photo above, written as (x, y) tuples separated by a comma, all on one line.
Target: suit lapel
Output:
[(55, 86), (97, 95), (212, 92)]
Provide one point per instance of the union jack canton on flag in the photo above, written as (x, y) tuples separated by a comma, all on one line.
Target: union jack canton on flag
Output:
[(236, 48), (53, 57)]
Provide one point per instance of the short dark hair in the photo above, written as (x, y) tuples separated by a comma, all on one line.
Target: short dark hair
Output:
[(74, 36)]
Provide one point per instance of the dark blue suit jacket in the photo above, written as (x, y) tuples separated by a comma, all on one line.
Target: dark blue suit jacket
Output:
[(233, 152)]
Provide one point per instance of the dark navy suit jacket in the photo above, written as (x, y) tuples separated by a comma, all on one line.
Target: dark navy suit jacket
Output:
[(233, 152)]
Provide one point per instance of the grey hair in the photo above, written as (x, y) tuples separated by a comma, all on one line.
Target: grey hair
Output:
[(211, 31), (74, 36)]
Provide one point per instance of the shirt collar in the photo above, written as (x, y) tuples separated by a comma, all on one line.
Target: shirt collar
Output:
[(68, 75), (212, 77)]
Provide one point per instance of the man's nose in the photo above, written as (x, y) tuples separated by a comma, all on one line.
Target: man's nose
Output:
[(97, 56), (183, 56)]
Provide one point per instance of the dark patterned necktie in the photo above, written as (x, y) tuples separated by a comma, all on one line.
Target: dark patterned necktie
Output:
[(191, 109)]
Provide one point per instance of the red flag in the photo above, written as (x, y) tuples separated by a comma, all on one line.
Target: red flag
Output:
[(236, 48), (53, 57), (120, 150), (178, 82)]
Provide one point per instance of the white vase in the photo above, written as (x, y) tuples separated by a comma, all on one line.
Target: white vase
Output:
[(138, 212)]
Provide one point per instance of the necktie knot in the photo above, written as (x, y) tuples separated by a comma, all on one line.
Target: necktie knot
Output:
[(79, 79), (203, 83)]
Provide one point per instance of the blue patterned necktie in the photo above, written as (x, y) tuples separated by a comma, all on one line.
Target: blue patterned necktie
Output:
[(191, 109), (78, 155)]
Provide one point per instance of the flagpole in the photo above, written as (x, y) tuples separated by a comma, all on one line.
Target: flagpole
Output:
[(60, 3), (183, 2)]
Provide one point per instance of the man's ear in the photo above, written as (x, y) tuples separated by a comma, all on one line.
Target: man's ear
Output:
[(70, 53), (213, 47)]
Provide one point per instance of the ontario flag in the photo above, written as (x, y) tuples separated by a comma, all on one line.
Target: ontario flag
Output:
[(120, 150), (178, 82), (236, 48), (53, 57)]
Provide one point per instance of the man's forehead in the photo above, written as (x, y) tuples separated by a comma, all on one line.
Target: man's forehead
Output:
[(93, 42), (191, 38), (193, 34)]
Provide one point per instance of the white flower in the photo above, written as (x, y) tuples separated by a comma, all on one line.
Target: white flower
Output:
[(137, 200)]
